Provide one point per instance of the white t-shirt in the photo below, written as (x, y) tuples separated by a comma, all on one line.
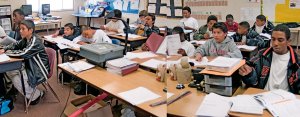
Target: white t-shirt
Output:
[(278, 74), (190, 22), (116, 25), (259, 29), (188, 47), (99, 37)]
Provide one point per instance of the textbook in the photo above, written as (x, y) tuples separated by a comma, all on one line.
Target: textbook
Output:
[(222, 64), (121, 66), (154, 42)]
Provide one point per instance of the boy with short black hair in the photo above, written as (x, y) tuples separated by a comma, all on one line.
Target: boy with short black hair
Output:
[(18, 16), (115, 25), (89, 36), (149, 28), (262, 25), (205, 31), (232, 26), (69, 32)]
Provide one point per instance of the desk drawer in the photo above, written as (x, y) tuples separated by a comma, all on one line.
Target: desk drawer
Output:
[(218, 80), (4, 67)]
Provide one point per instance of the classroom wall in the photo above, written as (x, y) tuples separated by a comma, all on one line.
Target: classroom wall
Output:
[(66, 15)]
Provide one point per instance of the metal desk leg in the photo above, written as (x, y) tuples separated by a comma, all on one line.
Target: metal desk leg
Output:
[(24, 92), (77, 21)]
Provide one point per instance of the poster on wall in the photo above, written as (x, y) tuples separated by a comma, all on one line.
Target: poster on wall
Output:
[(127, 6)]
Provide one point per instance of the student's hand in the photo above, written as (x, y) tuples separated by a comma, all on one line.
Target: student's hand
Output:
[(245, 70), (2, 51), (182, 52), (141, 26), (145, 47), (82, 43), (198, 57), (206, 36)]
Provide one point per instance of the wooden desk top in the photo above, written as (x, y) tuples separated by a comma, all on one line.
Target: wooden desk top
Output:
[(12, 60), (205, 71), (114, 84)]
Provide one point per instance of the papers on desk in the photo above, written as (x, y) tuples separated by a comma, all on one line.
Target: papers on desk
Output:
[(153, 63), (77, 66), (288, 108), (173, 44), (61, 42), (251, 48), (129, 35), (138, 95), (198, 42), (277, 102), (214, 105), (140, 55), (267, 36), (222, 64), (196, 63), (3, 58), (246, 104)]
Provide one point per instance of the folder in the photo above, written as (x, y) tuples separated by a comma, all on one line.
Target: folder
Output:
[(154, 41)]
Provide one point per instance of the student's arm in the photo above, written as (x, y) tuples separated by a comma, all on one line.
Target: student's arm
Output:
[(14, 46), (30, 50), (234, 51), (250, 70), (203, 49), (104, 37), (78, 40), (200, 33), (72, 37)]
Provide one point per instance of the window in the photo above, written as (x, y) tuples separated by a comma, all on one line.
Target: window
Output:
[(55, 5)]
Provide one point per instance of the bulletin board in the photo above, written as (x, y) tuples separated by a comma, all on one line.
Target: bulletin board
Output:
[(168, 8), (280, 11), (126, 6)]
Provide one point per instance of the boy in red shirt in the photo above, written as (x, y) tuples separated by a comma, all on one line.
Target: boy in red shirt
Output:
[(232, 26)]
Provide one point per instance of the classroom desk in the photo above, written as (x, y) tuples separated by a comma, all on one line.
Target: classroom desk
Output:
[(114, 84), (296, 30), (15, 64), (133, 42), (89, 18)]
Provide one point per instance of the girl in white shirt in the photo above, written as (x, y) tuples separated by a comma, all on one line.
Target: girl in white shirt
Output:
[(114, 25)]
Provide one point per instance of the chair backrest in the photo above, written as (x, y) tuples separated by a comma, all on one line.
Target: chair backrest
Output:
[(51, 55)]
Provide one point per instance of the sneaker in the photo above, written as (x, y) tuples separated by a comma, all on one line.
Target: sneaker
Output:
[(37, 100)]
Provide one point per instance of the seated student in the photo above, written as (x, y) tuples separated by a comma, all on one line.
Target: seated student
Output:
[(187, 49), (232, 26), (89, 36), (276, 67), (205, 31), (36, 65), (114, 25), (189, 22), (141, 19), (220, 45), (69, 32), (262, 25), (18, 16), (246, 36), (147, 29)]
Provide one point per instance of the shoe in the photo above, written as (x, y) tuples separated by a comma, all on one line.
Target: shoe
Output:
[(37, 100)]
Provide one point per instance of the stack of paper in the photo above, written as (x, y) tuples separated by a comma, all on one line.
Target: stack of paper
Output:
[(153, 63), (246, 104), (121, 66), (78, 66), (214, 105), (3, 58), (173, 44), (138, 95), (287, 108), (141, 55), (222, 64), (251, 48)]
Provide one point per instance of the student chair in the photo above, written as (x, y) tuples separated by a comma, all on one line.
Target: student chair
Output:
[(52, 56)]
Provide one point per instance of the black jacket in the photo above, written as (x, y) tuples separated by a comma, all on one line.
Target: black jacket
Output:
[(148, 31), (261, 64), (253, 39), (76, 33), (267, 29), (35, 58)]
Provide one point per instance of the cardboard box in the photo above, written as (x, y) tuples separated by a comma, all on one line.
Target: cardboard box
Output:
[(99, 109)]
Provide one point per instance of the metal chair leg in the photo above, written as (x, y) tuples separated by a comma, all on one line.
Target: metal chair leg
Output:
[(53, 92), (44, 86)]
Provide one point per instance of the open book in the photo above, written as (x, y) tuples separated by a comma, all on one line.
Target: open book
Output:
[(222, 64)]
